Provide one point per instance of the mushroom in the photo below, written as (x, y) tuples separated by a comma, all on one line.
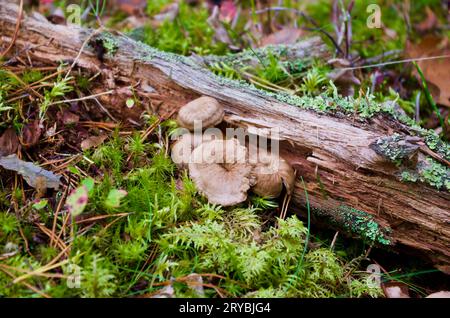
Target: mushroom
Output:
[(205, 110), (270, 173), (183, 147), (221, 171)]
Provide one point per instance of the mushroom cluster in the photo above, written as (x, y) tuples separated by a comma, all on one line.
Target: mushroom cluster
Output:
[(219, 167)]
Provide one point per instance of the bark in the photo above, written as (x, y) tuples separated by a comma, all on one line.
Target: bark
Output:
[(351, 181)]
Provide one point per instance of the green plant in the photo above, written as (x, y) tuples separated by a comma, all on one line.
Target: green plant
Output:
[(8, 224), (58, 89), (313, 82), (189, 32)]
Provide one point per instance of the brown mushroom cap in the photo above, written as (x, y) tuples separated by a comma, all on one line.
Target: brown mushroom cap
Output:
[(186, 143), (206, 110), (221, 171), (270, 173)]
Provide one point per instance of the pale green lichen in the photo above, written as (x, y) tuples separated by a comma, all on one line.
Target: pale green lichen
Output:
[(109, 42), (358, 222), (389, 147), (430, 172), (364, 224)]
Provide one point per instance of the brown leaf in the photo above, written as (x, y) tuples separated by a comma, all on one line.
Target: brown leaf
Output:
[(284, 36), (440, 294), (429, 23), (168, 13), (69, 118), (395, 290), (31, 133), (344, 79), (9, 143), (436, 71), (132, 7), (93, 141), (220, 32), (34, 175)]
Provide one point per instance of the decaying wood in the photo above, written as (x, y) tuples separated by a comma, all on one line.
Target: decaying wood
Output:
[(346, 178)]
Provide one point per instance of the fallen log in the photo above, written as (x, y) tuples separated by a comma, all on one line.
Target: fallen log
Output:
[(366, 169)]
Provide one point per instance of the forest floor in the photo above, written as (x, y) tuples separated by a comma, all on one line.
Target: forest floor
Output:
[(126, 222)]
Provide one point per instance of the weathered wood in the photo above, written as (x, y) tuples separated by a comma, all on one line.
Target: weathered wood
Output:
[(349, 180)]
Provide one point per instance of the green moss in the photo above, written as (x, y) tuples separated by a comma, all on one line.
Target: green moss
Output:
[(188, 33)]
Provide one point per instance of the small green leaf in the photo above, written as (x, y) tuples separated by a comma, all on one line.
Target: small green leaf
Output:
[(76, 202), (73, 170), (89, 184), (39, 205), (130, 102), (114, 197)]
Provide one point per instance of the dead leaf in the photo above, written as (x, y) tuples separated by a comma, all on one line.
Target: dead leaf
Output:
[(168, 13), (57, 16), (228, 11), (30, 172), (93, 141), (132, 23), (31, 133), (220, 32), (51, 131), (436, 71), (166, 292), (391, 34), (395, 290), (440, 294), (342, 78), (429, 23), (132, 7), (69, 118), (9, 143), (284, 36), (195, 282)]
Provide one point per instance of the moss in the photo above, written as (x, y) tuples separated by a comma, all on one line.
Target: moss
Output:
[(189, 32)]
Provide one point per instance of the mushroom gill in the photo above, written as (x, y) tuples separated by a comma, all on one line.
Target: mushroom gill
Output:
[(270, 173), (221, 171), (206, 110)]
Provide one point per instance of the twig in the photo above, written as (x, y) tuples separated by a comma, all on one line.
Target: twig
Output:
[(394, 62), (82, 98), (16, 31), (81, 50)]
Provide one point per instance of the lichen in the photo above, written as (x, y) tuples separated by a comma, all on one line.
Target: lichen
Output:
[(395, 148), (390, 149), (109, 42), (358, 222), (431, 172), (364, 224)]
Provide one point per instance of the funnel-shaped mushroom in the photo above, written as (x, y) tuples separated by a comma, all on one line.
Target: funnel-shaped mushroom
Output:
[(205, 110), (270, 173), (221, 171), (183, 147)]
